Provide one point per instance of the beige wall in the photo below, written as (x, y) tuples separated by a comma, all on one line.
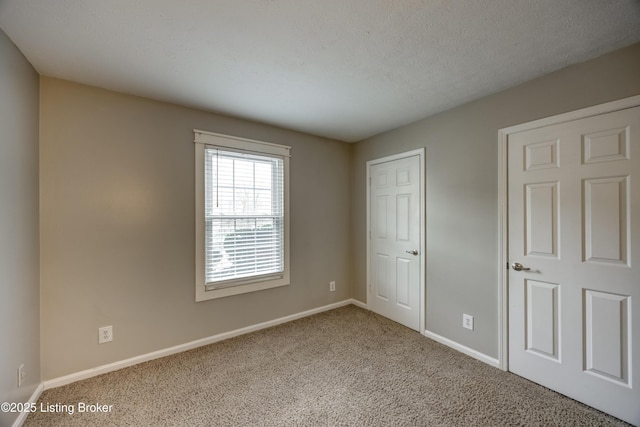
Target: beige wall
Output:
[(19, 246), (462, 187), (117, 218)]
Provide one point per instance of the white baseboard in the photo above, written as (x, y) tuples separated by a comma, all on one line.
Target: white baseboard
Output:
[(93, 372), (463, 349), (359, 304), (33, 399)]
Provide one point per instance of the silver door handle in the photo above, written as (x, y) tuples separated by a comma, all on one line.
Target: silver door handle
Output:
[(518, 267), (413, 252)]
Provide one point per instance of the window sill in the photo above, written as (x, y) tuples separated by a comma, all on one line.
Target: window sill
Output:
[(202, 294)]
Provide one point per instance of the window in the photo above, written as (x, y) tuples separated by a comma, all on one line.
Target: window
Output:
[(242, 224)]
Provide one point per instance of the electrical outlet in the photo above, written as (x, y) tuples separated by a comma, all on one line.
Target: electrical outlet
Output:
[(467, 321), (21, 374), (332, 286), (105, 334)]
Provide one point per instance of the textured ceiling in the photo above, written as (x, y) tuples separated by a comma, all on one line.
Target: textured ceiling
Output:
[(344, 69)]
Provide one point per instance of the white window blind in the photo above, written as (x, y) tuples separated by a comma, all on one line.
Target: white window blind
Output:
[(244, 217)]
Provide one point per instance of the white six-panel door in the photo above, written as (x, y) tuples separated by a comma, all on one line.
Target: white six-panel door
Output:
[(395, 240), (574, 228)]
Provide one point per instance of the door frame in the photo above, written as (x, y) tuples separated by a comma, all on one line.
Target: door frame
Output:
[(421, 153), (503, 220)]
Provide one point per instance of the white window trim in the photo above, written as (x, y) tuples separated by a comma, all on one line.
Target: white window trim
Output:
[(201, 140)]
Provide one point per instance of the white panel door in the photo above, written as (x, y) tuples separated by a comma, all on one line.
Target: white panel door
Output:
[(574, 232), (395, 242)]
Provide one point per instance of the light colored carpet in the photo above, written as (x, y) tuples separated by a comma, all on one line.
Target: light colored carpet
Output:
[(345, 367)]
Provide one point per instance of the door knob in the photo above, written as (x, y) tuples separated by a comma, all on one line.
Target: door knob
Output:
[(518, 267), (413, 252)]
